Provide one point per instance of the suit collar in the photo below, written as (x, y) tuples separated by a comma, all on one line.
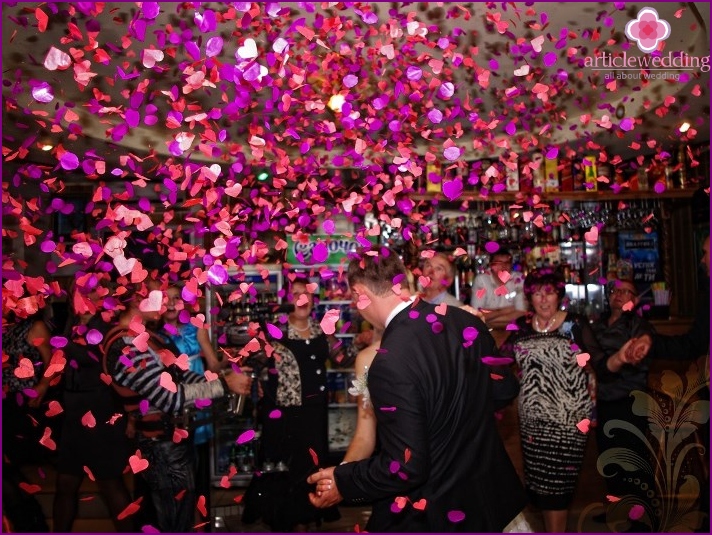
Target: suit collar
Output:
[(398, 308)]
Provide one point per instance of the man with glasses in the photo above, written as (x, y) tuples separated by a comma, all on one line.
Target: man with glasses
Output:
[(498, 293), (614, 401)]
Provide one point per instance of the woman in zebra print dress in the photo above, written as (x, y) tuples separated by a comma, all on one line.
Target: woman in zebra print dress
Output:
[(557, 395)]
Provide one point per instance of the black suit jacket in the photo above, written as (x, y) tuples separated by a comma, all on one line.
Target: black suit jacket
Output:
[(441, 465)]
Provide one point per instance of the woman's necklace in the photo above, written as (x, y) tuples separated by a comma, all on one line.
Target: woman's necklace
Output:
[(301, 330), (548, 325)]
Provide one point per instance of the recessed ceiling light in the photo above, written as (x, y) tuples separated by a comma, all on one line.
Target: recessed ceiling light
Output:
[(336, 102), (684, 127), (47, 147)]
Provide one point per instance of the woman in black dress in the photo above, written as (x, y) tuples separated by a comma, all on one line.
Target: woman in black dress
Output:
[(93, 440), (294, 416)]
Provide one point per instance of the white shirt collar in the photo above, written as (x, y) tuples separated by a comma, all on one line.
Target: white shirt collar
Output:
[(400, 306)]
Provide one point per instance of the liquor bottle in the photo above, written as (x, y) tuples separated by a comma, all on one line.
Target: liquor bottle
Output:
[(590, 172), (538, 173), (579, 175), (551, 171), (566, 175), (512, 180), (668, 176), (681, 162)]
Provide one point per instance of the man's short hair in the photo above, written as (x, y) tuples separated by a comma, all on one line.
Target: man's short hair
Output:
[(450, 265), (379, 268), (501, 252)]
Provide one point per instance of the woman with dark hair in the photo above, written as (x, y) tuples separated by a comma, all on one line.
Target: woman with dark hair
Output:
[(25, 384), (93, 439), (27, 355), (557, 396), (293, 412)]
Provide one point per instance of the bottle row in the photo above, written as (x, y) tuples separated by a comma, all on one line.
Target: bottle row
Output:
[(489, 222), (558, 171)]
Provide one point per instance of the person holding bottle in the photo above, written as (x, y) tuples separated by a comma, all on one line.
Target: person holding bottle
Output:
[(154, 390), (194, 342)]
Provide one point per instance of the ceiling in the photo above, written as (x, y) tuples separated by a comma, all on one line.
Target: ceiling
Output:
[(146, 81)]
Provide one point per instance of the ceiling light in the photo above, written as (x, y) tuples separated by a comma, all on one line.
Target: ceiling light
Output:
[(336, 102), (684, 127), (262, 176), (46, 147)]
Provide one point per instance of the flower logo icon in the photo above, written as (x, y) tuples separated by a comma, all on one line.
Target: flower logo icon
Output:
[(647, 30)]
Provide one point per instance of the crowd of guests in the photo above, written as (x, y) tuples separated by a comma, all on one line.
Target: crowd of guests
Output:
[(132, 360)]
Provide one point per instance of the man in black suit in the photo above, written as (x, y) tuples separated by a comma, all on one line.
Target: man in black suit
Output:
[(441, 464)]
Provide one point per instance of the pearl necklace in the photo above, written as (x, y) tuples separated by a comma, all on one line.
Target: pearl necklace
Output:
[(299, 330), (548, 325)]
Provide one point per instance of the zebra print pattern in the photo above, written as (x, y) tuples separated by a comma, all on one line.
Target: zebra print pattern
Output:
[(141, 372), (552, 400)]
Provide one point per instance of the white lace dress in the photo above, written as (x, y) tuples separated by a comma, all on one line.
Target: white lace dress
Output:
[(360, 388)]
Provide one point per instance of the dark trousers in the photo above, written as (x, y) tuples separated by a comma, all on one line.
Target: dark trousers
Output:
[(170, 477), (617, 447)]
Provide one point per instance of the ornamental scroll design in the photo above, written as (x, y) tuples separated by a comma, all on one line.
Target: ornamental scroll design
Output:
[(676, 461)]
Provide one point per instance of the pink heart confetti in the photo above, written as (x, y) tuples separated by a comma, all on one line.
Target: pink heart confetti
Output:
[(470, 333), (455, 516), (47, 441), (274, 102), (88, 420), (328, 322), (246, 437), (153, 302), (452, 189), (636, 512), (363, 302), (582, 359), (497, 361), (166, 381), (137, 463), (492, 247), (584, 425), (57, 60), (591, 236), (53, 409)]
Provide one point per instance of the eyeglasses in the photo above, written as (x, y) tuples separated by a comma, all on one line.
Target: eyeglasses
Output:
[(623, 291)]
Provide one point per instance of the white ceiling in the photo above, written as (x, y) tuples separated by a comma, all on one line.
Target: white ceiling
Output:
[(325, 59)]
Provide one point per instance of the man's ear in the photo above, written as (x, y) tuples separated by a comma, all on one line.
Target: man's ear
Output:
[(359, 288)]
